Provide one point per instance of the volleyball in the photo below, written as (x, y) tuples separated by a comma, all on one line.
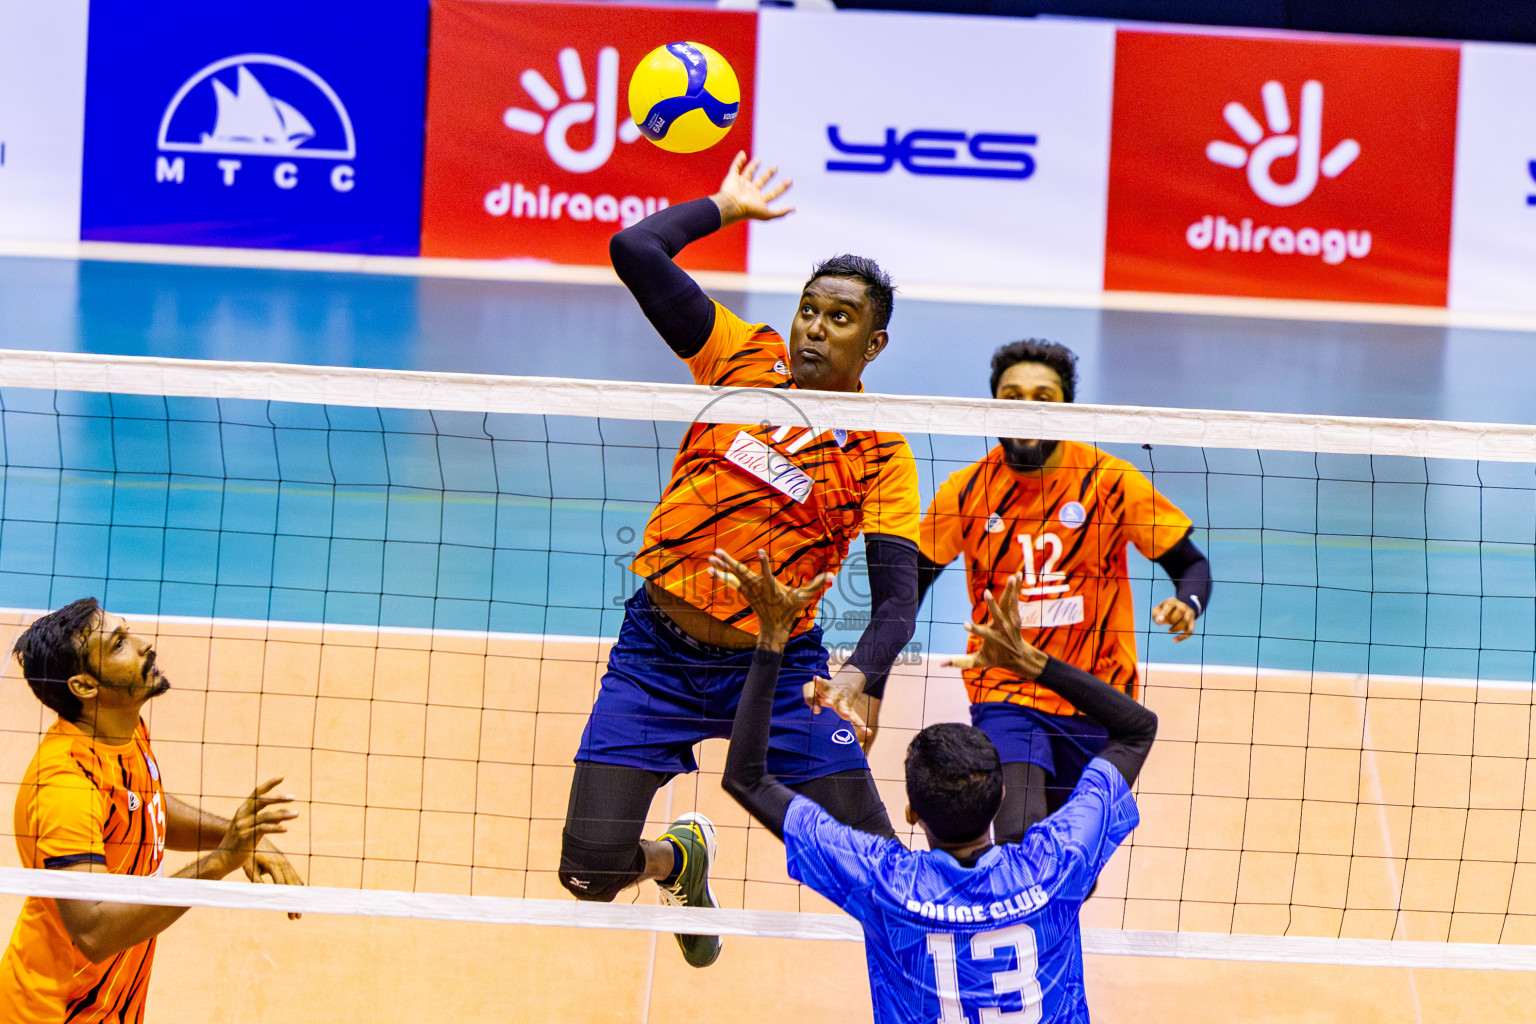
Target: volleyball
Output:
[(684, 97)]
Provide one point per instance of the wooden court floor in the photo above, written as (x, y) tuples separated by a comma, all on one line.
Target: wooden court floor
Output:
[(1274, 803)]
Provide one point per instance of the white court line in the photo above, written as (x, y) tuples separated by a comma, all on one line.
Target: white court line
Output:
[(186, 892), (537, 271), (357, 387)]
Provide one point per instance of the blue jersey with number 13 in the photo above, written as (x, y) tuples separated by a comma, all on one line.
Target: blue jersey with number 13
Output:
[(996, 943)]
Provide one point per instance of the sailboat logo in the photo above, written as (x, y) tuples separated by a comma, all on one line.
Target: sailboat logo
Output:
[(255, 111)]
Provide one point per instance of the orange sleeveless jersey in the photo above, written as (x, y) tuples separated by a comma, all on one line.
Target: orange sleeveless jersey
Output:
[(800, 493), (1066, 530), (82, 802)]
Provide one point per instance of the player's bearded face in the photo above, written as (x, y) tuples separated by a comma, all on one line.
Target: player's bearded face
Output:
[(833, 335), (1026, 455), (123, 661), (1029, 382)]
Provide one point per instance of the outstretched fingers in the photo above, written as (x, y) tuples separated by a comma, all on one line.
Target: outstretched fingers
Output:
[(262, 813), (729, 571), (1011, 592), (778, 189), (772, 190)]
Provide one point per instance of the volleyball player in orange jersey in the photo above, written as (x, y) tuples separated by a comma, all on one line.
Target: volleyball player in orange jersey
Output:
[(802, 494), (92, 800), (1061, 513)]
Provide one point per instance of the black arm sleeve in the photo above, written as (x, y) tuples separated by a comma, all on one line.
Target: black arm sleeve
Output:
[(1131, 726), (893, 600), (642, 257), (927, 575), (1190, 571), (746, 761)]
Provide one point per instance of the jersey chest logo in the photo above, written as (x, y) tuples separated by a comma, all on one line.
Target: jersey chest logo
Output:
[(1073, 515), (769, 466), (774, 467), (995, 523)]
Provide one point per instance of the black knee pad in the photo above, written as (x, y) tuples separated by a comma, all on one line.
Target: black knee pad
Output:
[(598, 871)]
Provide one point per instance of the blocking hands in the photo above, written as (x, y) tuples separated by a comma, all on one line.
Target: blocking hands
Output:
[(1002, 638), (777, 608)]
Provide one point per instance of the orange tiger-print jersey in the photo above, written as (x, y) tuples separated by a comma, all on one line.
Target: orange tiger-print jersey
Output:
[(1067, 531), (800, 493), (82, 802)]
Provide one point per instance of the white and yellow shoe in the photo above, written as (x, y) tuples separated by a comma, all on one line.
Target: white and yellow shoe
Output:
[(694, 836)]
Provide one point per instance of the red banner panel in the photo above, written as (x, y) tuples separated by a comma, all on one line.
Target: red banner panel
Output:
[(1284, 168), (530, 149)]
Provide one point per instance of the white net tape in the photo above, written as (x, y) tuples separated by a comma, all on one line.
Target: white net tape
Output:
[(185, 892), (684, 403)]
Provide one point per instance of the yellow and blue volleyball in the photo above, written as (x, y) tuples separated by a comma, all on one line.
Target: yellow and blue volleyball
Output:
[(684, 97)]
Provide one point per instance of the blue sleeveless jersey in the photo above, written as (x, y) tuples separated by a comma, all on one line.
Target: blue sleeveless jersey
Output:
[(946, 943)]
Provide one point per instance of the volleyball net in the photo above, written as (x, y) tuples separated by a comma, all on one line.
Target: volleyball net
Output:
[(397, 590)]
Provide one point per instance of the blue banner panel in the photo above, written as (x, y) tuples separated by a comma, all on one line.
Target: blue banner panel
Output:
[(263, 123)]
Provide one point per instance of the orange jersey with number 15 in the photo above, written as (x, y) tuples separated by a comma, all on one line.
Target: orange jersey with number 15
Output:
[(1066, 530), (82, 802), (800, 493)]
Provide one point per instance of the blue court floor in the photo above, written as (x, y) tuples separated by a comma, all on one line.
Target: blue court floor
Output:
[(522, 523)]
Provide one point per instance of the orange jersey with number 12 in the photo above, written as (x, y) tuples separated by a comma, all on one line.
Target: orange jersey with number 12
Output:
[(801, 493), (1066, 530), (82, 802)]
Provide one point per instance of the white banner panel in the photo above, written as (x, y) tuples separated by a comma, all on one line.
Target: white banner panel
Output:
[(1493, 230), (42, 117), (954, 150)]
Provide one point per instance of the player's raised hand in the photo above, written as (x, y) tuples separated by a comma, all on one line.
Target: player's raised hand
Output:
[(259, 816), (1177, 616), (1002, 639), (776, 606), (747, 193)]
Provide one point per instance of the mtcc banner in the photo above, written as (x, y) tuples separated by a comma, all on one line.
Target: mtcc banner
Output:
[(278, 125)]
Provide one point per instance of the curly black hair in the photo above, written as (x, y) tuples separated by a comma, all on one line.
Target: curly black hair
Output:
[(50, 653), (1037, 350), (954, 781), (877, 283)]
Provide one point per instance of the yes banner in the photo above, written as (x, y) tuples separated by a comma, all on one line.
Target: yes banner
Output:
[(531, 151), (1494, 263), (292, 124), (1286, 168), (959, 150)]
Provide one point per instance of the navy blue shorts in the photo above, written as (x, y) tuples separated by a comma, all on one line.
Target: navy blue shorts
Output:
[(1061, 744), (664, 692)]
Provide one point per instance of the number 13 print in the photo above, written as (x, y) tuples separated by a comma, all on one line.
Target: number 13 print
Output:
[(986, 946)]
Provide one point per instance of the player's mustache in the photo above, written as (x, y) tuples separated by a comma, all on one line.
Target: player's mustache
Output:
[(149, 665)]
